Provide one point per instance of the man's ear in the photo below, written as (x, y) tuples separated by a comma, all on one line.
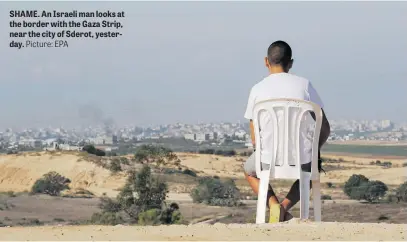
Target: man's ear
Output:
[(266, 62)]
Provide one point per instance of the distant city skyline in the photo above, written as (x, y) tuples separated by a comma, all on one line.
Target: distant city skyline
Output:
[(363, 123), (214, 133), (195, 62)]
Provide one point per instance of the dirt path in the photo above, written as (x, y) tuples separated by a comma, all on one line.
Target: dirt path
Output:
[(288, 231)]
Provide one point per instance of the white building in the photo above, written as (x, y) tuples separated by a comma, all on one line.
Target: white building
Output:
[(240, 134), (190, 136), (201, 137), (213, 136), (385, 124), (30, 143)]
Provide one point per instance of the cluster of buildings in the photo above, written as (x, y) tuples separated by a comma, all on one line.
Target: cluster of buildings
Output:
[(342, 130), (379, 130)]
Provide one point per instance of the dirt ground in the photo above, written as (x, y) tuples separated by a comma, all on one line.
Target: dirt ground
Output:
[(294, 231), (56, 218), (26, 210)]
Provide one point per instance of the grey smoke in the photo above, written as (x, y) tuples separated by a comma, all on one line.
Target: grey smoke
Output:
[(95, 115)]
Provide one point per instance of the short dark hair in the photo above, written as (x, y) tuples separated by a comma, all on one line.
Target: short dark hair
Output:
[(279, 53)]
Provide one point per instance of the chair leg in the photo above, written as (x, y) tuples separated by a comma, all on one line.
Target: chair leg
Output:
[(262, 198), (304, 195), (316, 200)]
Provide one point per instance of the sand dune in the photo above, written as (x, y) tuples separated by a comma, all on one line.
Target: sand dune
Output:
[(19, 172), (295, 231), (232, 167)]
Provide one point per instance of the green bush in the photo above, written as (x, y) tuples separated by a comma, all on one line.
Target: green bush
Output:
[(149, 217), (142, 190), (375, 190), (92, 150), (158, 155), (171, 215), (225, 152), (115, 166), (189, 172), (156, 216), (109, 205), (383, 217), (51, 183), (246, 153), (215, 192), (124, 161), (401, 192), (353, 182), (11, 194), (359, 187), (142, 199), (207, 151), (387, 164), (106, 218), (326, 197)]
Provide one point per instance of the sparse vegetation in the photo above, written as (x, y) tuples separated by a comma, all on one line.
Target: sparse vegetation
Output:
[(246, 153), (156, 155), (218, 152), (8, 194), (79, 193), (106, 218), (51, 183), (92, 150), (30, 222), (115, 166), (359, 187), (4, 205), (326, 197), (216, 192), (401, 192), (385, 164), (383, 217), (124, 161), (189, 172), (142, 200)]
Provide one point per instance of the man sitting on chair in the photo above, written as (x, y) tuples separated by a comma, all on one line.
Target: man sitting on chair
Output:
[(281, 84)]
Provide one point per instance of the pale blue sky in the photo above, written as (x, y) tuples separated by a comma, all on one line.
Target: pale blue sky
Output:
[(196, 61)]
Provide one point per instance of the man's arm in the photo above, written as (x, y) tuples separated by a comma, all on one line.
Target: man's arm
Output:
[(248, 115), (325, 129), (252, 134)]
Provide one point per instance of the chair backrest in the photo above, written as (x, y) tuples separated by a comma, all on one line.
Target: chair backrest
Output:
[(280, 132)]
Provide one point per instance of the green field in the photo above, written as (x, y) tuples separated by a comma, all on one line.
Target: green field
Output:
[(366, 149)]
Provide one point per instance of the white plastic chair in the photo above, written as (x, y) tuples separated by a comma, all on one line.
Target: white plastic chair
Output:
[(282, 151)]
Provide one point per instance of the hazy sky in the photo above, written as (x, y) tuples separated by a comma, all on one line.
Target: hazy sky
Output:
[(196, 62)]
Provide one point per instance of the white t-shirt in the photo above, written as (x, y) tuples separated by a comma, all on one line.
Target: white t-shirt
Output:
[(284, 85)]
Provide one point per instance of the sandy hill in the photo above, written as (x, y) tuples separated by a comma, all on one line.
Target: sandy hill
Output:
[(19, 172), (337, 172)]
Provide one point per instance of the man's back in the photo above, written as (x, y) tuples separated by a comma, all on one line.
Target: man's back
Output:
[(280, 84), (283, 85)]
